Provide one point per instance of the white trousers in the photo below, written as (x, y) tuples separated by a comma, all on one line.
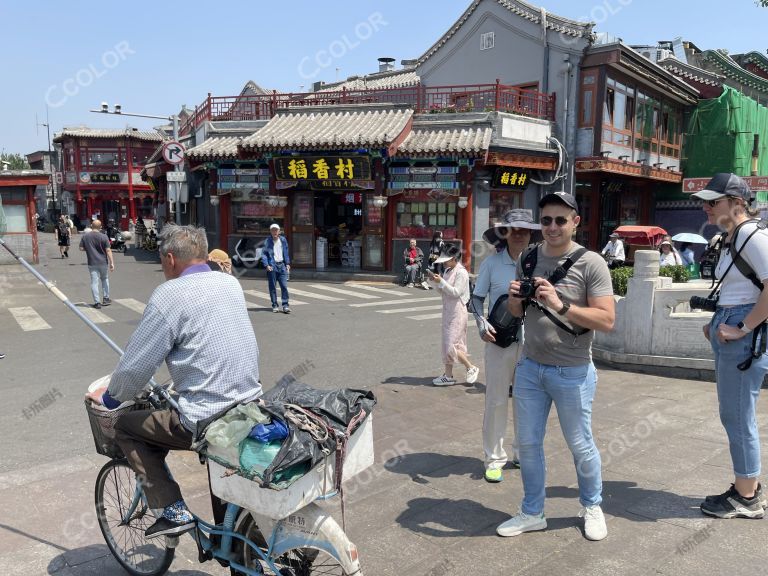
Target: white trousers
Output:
[(500, 364)]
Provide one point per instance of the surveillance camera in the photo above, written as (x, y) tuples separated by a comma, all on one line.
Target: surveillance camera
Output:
[(104, 107), (118, 109)]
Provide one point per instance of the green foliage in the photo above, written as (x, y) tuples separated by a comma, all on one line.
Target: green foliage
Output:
[(15, 161), (677, 273), (620, 278)]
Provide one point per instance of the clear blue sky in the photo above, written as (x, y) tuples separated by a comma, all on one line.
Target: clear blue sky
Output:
[(152, 57)]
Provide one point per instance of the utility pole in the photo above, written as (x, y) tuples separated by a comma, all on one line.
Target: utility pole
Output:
[(52, 176)]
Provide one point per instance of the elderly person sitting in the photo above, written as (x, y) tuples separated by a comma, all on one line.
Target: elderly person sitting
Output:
[(413, 258), (219, 261)]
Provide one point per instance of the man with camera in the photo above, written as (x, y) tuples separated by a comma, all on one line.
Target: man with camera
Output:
[(502, 343), (564, 293)]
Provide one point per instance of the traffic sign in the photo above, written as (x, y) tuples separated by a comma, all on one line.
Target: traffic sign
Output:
[(59, 178), (176, 176), (173, 152)]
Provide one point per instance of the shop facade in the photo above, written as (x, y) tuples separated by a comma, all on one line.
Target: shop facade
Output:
[(102, 173), (17, 190)]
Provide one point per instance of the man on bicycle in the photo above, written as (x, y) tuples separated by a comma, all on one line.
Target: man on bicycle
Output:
[(197, 322)]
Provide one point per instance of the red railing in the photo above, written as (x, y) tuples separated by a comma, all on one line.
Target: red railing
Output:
[(423, 99)]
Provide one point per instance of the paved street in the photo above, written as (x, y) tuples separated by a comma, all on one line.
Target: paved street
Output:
[(423, 509)]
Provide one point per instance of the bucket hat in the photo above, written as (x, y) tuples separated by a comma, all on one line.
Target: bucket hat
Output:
[(516, 218)]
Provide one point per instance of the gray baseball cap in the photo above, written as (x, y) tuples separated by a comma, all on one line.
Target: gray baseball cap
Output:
[(725, 184)]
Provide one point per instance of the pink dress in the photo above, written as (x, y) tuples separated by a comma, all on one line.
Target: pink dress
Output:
[(454, 288)]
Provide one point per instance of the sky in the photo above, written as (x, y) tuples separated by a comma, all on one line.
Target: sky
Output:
[(153, 57)]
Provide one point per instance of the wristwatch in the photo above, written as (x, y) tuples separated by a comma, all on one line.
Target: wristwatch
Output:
[(564, 310), (743, 328)]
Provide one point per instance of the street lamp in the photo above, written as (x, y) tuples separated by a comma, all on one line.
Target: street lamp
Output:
[(118, 109)]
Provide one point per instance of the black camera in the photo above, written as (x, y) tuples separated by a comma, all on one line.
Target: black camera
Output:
[(707, 304), (527, 289)]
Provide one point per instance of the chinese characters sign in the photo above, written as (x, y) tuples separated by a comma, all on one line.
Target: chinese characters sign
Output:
[(323, 168), (511, 178)]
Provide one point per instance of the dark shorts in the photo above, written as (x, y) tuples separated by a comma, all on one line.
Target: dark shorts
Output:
[(64, 241)]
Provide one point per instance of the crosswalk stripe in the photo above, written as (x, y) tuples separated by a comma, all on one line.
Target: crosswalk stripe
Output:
[(266, 296), (341, 291), (425, 316), (293, 290), (28, 319), (377, 289), (132, 304), (389, 302), (414, 309), (95, 316)]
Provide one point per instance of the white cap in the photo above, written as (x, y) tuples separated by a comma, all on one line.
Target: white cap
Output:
[(274, 227)]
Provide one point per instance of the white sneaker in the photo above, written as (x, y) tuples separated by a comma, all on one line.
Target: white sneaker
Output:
[(444, 381), (521, 523), (594, 522), (472, 374)]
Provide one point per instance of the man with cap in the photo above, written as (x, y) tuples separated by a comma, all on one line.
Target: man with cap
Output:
[(737, 333), (570, 296), (509, 237), (614, 251), (276, 260)]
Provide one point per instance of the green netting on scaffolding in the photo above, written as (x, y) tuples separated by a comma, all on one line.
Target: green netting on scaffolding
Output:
[(720, 135)]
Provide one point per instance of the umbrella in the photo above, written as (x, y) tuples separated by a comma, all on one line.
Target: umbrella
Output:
[(690, 237)]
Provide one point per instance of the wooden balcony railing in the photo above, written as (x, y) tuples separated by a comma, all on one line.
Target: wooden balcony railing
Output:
[(423, 99)]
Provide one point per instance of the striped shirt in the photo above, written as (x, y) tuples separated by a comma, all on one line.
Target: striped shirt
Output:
[(199, 325)]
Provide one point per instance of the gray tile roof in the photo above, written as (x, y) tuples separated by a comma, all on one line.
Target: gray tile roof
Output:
[(339, 127), (218, 147), (392, 79), (432, 141), (85, 132)]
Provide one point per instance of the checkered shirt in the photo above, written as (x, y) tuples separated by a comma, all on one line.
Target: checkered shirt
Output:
[(199, 325)]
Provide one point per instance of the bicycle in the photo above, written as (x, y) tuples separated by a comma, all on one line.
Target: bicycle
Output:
[(309, 541)]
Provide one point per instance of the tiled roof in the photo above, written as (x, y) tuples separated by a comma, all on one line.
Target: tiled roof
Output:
[(85, 132), (432, 141), (732, 70), (379, 80), (689, 72), (339, 127), (524, 10), (215, 148)]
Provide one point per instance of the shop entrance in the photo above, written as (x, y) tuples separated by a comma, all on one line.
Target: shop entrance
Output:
[(339, 219)]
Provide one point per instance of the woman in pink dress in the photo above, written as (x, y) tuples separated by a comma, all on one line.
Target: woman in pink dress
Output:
[(454, 288)]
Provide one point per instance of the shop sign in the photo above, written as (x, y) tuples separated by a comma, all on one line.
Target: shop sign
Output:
[(243, 171), (323, 168), (511, 178), (339, 184), (698, 184), (422, 169), (351, 198), (242, 185), (101, 178)]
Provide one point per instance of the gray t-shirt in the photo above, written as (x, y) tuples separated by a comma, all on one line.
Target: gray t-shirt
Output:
[(95, 245), (544, 341)]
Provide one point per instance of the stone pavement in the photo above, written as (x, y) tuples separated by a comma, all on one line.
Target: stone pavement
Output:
[(423, 509)]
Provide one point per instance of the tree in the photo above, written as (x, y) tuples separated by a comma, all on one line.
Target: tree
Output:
[(15, 161), (763, 3)]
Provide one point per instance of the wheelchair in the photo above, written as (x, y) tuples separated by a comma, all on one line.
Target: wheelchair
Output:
[(421, 278)]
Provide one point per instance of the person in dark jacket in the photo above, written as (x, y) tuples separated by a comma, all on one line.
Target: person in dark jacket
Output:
[(434, 252), (278, 264)]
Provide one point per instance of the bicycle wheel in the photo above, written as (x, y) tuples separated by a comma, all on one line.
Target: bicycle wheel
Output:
[(115, 489), (295, 562)]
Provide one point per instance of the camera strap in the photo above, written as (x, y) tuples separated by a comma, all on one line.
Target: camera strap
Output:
[(737, 260)]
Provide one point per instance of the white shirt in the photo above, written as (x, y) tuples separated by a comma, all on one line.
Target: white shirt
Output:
[(737, 288), (668, 259), (615, 249), (278, 248)]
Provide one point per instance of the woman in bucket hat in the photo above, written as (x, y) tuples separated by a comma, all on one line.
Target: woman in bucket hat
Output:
[(454, 288), (510, 237)]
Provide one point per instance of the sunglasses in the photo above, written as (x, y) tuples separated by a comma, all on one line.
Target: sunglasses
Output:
[(559, 220), (713, 203)]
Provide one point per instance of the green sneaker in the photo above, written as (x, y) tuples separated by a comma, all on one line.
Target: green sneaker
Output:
[(493, 475)]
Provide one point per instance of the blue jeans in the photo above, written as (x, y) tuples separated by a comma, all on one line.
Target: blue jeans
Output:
[(279, 274), (99, 274), (737, 391), (572, 389)]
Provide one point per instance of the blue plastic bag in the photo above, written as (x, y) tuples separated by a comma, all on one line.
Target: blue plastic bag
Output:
[(277, 430)]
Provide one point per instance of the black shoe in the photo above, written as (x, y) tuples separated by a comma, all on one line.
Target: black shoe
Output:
[(106, 302), (731, 504), (97, 305), (164, 527), (732, 490)]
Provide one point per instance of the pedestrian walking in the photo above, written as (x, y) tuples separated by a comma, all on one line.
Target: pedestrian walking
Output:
[(502, 351), (140, 231), (63, 236), (277, 261), (737, 334), (454, 288), (100, 262), (435, 248), (556, 364)]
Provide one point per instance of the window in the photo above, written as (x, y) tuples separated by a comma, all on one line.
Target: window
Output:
[(586, 107), (486, 40), (588, 89), (610, 94)]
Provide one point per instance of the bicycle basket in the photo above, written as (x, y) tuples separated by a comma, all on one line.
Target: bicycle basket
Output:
[(103, 427)]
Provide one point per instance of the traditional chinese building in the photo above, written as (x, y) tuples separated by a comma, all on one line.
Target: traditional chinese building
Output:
[(17, 189), (102, 171)]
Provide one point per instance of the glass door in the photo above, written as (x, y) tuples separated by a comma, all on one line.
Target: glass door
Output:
[(303, 230), (373, 234)]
